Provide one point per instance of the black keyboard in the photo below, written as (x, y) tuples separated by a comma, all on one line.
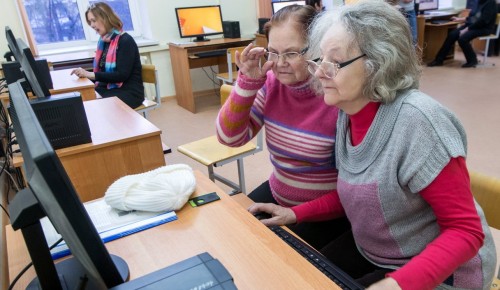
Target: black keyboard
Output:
[(335, 274), (211, 53), (440, 21)]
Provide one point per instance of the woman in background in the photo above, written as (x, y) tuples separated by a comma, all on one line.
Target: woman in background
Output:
[(316, 4), (403, 182), (300, 127), (117, 64)]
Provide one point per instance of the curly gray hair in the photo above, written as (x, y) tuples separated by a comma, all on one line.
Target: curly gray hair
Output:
[(383, 34)]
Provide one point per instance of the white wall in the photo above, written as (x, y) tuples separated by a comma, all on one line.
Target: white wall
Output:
[(160, 14)]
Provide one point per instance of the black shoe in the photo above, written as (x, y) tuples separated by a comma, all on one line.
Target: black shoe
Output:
[(435, 63), (469, 64)]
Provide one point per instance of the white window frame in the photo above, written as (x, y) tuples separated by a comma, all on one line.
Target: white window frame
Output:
[(91, 36)]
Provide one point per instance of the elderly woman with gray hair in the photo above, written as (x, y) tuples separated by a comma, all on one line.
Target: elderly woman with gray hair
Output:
[(403, 181)]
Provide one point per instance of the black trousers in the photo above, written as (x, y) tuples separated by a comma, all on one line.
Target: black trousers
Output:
[(126, 96), (464, 41)]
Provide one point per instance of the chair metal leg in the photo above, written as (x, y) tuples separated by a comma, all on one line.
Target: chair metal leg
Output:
[(241, 175)]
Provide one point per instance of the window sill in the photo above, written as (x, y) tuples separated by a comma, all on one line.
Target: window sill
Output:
[(141, 42)]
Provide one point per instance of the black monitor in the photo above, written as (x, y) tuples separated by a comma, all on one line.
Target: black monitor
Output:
[(278, 5), (34, 76), (199, 22), (427, 5), (12, 43), (50, 185)]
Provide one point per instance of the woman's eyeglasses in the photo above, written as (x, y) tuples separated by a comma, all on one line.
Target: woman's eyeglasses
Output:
[(329, 69), (286, 57)]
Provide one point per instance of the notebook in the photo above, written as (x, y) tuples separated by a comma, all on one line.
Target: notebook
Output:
[(111, 224)]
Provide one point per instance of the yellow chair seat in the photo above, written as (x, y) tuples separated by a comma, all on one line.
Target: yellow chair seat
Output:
[(209, 151)]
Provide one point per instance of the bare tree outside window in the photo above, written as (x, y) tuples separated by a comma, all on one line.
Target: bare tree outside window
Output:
[(55, 21)]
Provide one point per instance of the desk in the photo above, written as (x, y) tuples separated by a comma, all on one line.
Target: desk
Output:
[(255, 257), (182, 59), (432, 36), (64, 82), (123, 143)]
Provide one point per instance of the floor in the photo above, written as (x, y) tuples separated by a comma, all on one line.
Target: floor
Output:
[(473, 94)]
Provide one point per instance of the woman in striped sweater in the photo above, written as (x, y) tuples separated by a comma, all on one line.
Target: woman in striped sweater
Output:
[(300, 127)]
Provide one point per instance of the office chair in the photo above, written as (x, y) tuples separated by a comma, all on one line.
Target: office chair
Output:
[(486, 191), (229, 77), (211, 153), (488, 38), (150, 76)]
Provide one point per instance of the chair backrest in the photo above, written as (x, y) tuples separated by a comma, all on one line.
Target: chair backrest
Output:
[(150, 76), (486, 191), (231, 62)]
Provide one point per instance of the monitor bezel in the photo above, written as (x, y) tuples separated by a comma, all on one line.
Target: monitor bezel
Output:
[(422, 9), (12, 44), (31, 71), (202, 36), (52, 188)]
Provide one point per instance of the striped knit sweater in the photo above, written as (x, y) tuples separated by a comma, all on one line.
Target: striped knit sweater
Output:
[(300, 134)]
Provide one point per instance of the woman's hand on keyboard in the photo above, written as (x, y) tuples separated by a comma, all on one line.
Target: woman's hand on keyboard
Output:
[(279, 215)]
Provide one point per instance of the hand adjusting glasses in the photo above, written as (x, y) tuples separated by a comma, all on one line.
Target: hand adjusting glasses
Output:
[(285, 57), (329, 69)]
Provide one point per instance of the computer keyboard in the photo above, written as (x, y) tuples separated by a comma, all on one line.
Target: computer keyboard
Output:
[(211, 53), (335, 274), (440, 21)]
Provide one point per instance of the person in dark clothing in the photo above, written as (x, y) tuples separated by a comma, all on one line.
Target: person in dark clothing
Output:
[(480, 22), (117, 64)]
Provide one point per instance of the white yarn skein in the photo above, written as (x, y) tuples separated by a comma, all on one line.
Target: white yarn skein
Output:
[(162, 189)]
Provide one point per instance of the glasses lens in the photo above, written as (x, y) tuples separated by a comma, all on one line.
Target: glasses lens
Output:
[(271, 56), (290, 56)]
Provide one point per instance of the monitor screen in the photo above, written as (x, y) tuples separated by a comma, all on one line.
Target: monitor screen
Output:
[(278, 5), (425, 5), (33, 75), (12, 43), (48, 182), (199, 22)]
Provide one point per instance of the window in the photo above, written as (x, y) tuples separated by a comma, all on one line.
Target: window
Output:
[(62, 23)]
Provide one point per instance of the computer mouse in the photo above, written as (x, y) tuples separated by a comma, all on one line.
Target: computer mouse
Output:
[(260, 215)]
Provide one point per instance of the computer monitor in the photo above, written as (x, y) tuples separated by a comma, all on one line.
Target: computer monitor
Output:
[(278, 5), (199, 22), (426, 5), (12, 43), (35, 77), (50, 185)]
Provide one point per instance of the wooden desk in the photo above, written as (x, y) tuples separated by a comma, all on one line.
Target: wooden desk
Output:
[(64, 82), (183, 60), (255, 257), (432, 36), (123, 143)]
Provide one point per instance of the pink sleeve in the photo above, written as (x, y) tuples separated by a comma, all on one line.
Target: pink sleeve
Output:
[(324, 208), (234, 117), (461, 235)]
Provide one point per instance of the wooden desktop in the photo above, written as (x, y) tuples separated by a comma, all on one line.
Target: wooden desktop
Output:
[(123, 143), (183, 59), (255, 257), (64, 82)]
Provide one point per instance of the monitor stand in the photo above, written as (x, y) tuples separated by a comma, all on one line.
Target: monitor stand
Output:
[(68, 274), (200, 39)]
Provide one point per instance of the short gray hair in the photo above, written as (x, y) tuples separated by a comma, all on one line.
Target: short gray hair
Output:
[(383, 34)]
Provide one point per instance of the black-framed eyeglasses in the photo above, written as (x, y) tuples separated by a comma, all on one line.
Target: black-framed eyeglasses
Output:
[(329, 69), (286, 57)]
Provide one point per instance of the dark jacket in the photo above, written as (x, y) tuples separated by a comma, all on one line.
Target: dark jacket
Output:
[(484, 17)]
